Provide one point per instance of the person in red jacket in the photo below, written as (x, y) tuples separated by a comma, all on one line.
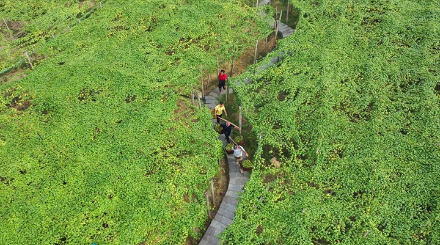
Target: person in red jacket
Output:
[(222, 81)]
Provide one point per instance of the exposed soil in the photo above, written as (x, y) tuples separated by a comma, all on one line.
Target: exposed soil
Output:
[(13, 75)]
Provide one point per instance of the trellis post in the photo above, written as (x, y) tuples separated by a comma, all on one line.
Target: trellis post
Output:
[(207, 205), (29, 60), (218, 71), (266, 45), (240, 117), (232, 67), (209, 80), (255, 54), (192, 94), (276, 25), (227, 92), (201, 79), (198, 97), (212, 191), (6, 24)]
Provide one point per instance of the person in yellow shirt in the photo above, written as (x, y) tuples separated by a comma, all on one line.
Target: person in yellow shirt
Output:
[(218, 111)]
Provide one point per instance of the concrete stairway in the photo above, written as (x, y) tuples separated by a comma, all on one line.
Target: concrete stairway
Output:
[(225, 214), (283, 28), (237, 180)]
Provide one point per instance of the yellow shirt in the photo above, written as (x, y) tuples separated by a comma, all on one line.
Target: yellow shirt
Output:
[(219, 110)]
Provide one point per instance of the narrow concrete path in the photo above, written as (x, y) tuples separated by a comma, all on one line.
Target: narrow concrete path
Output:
[(237, 180), (263, 2), (225, 214), (283, 28)]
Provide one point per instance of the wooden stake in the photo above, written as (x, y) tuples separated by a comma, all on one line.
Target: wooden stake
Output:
[(100, 4), (255, 54), (79, 20), (240, 118), (198, 97), (207, 205), (227, 92), (235, 143), (257, 4), (218, 71), (29, 60), (201, 79), (212, 191), (366, 233), (287, 12), (276, 26), (232, 67), (266, 45), (279, 21), (228, 121), (192, 94), (6, 24)]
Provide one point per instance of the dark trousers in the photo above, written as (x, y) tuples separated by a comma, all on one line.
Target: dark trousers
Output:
[(227, 137), (218, 119), (221, 84)]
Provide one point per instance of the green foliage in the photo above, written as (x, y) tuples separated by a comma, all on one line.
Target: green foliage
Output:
[(32, 23), (247, 163), (352, 116), (229, 146), (239, 138), (98, 144)]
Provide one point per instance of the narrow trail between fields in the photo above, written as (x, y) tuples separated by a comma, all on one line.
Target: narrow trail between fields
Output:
[(225, 214)]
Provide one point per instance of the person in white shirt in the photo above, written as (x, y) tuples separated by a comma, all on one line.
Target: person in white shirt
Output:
[(238, 153)]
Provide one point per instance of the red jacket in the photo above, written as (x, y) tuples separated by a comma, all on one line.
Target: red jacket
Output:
[(222, 77)]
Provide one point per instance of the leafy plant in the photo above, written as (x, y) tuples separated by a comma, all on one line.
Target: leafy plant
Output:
[(99, 143), (247, 163), (349, 129), (239, 138)]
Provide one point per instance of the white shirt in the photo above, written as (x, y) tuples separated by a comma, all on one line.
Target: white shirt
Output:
[(238, 152)]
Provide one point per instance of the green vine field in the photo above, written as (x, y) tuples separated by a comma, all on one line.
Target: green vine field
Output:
[(26, 25), (99, 143), (349, 119)]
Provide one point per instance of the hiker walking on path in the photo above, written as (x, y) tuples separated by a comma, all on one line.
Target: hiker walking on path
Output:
[(222, 81), (227, 129), (238, 154), (218, 111)]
